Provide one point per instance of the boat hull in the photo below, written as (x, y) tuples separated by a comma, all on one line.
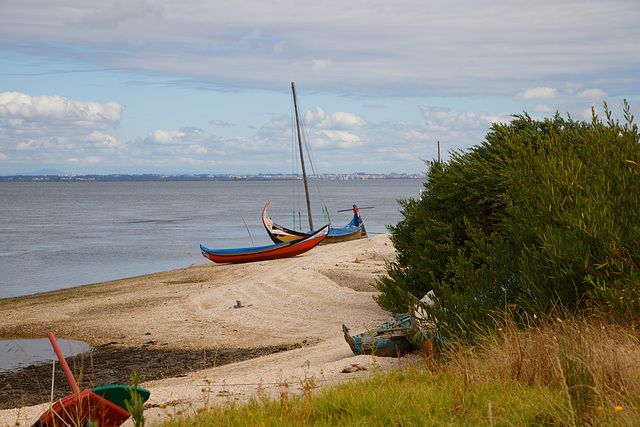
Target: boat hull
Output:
[(264, 253), (280, 234), (392, 344), (78, 408), (389, 340)]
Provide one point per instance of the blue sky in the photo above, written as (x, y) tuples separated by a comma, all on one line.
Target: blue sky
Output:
[(193, 86)]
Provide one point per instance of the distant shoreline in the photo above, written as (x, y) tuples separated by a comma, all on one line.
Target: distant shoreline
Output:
[(204, 177)]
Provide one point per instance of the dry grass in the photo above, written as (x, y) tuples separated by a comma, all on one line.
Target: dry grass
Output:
[(595, 363)]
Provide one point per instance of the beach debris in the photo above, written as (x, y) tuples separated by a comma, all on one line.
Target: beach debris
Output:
[(238, 304), (354, 367)]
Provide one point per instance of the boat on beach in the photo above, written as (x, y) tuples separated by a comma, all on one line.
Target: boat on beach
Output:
[(405, 333), (263, 253), (278, 234), (103, 406), (388, 340)]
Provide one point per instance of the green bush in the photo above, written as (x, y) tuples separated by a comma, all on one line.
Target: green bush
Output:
[(543, 214)]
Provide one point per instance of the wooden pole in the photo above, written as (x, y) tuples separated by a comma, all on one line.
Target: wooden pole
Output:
[(304, 172)]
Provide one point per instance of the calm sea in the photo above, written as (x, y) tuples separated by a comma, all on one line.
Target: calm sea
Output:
[(63, 234)]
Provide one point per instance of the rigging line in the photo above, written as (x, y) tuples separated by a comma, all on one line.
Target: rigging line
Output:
[(370, 212), (312, 162), (245, 224)]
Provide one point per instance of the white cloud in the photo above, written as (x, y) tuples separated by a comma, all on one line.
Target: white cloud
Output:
[(339, 120), (591, 95), (55, 129), (165, 137), (446, 119), (184, 142), (216, 122), (543, 108), (59, 110), (93, 159), (537, 94), (336, 138), (101, 140)]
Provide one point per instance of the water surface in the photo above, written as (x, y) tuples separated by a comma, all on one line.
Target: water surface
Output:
[(63, 234)]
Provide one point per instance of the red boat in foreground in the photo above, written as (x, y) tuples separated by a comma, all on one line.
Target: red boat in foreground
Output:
[(102, 406), (263, 253)]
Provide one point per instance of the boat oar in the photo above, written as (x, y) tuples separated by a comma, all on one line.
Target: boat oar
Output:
[(347, 210), (63, 363)]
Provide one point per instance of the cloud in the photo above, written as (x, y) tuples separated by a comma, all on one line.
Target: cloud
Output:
[(446, 119), (19, 108), (339, 120), (50, 129), (216, 122), (183, 142), (591, 95), (110, 15), (543, 108), (337, 138), (445, 48), (100, 140), (537, 94), (163, 137)]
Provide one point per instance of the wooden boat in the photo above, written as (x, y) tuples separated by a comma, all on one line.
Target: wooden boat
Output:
[(103, 406), (389, 340), (262, 253), (409, 331), (278, 234)]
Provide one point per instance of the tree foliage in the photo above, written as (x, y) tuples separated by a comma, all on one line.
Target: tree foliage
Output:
[(542, 214)]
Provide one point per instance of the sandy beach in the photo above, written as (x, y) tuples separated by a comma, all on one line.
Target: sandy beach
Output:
[(295, 304)]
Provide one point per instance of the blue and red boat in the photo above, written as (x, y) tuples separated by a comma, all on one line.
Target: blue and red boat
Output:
[(263, 253)]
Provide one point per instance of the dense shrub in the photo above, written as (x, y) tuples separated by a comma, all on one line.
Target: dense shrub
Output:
[(543, 214)]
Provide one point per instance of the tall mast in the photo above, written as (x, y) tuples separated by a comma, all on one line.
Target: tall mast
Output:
[(304, 172)]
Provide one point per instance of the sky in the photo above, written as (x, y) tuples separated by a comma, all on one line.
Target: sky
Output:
[(195, 86)]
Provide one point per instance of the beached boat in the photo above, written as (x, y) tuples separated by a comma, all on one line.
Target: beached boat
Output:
[(102, 406), (263, 253), (389, 340), (278, 234), (354, 230)]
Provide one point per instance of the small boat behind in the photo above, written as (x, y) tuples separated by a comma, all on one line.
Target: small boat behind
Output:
[(352, 231), (263, 253), (389, 340)]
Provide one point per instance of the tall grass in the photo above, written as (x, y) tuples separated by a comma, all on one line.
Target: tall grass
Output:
[(572, 372), (593, 363)]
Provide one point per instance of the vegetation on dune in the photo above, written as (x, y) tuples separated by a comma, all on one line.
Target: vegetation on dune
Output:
[(541, 215)]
